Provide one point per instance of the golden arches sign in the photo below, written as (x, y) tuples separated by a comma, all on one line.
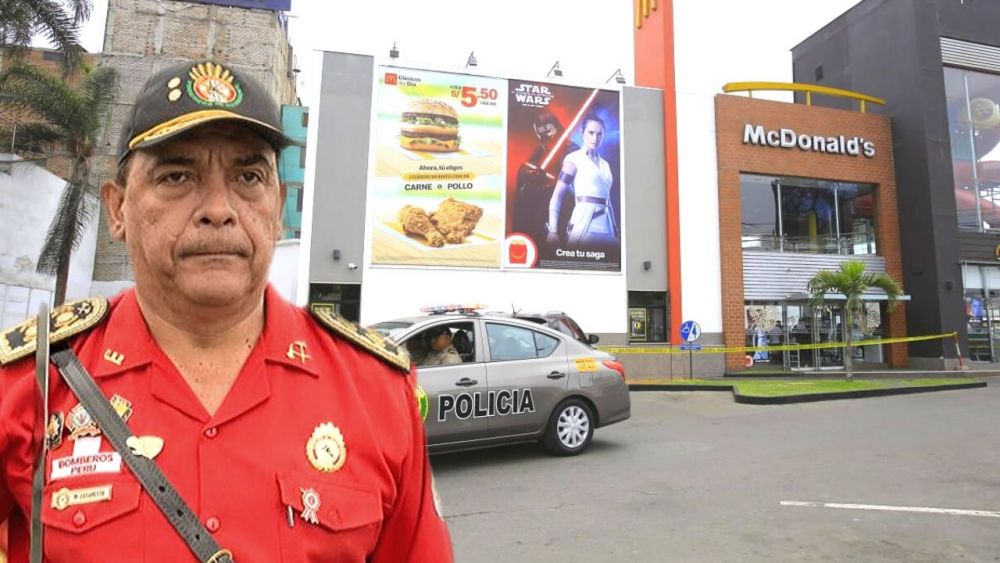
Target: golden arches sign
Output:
[(642, 10)]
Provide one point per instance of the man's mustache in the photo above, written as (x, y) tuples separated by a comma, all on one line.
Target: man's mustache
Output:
[(222, 246)]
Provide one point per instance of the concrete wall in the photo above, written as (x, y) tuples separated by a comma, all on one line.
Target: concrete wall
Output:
[(645, 205), (337, 172), (29, 197)]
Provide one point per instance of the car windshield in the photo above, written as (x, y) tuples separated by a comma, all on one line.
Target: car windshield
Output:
[(391, 328)]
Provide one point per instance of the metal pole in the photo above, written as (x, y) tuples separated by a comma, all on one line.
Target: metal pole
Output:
[(690, 364), (958, 351), (972, 146), (781, 223), (836, 212)]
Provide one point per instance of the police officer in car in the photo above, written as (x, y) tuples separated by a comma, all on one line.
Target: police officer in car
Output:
[(240, 427), (441, 351)]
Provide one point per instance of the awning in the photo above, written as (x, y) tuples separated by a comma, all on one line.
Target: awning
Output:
[(842, 297)]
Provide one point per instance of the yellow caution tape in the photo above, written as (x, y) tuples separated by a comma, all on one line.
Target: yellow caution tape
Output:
[(780, 348)]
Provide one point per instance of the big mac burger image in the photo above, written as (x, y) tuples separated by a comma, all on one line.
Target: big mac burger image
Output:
[(429, 125)]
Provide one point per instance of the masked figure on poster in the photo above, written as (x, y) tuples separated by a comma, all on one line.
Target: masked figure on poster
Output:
[(535, 184), (587, 176)]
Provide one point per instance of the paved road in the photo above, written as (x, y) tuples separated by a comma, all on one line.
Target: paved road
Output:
[(695, 477)]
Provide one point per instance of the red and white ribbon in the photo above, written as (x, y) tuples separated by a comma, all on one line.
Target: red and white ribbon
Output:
[(310, 504)]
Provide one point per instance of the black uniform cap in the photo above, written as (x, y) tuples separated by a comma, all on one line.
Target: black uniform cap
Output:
[(190, 94)]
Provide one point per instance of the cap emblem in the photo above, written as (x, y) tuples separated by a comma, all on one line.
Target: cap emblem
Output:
[(212, 85)]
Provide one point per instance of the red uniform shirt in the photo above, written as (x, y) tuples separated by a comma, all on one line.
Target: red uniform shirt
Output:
[(245, 471)]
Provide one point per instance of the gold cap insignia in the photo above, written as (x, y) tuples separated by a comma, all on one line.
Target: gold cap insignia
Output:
[(325, 449), (212, 85)]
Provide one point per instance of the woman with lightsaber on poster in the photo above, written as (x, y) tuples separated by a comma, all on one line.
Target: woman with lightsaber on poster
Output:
[(589, 177)]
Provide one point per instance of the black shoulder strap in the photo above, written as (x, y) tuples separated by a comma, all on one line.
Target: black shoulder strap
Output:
[(153, 480)]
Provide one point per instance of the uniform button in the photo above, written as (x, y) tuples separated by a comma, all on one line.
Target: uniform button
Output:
[(212, 524), (211, 432), (79, 518)]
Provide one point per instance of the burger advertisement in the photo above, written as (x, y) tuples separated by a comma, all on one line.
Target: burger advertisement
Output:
[(437, 194), (481, 172)]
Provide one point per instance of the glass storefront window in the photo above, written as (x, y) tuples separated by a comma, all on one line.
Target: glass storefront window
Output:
[(974, 127), (787, 214), (982, 311), (759, 202), (775, 323)]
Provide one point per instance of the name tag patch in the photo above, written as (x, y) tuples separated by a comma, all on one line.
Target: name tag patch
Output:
[(87, 464), (65, 498)]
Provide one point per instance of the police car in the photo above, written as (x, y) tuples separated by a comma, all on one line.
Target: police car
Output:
[(517, 381)]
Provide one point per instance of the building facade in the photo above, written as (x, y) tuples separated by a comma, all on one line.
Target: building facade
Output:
[(803, 189), (292, 167), (937, 63)]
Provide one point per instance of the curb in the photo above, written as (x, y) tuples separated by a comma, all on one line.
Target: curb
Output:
[(677, 387), (807, 398), (861, 394)]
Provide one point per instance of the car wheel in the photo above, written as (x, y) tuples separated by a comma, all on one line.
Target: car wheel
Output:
[(570, 428)]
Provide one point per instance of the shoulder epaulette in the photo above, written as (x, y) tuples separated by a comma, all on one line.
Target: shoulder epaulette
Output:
[(370, 340), (66, 320)]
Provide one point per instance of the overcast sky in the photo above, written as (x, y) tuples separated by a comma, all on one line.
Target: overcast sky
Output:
[(735, 39)]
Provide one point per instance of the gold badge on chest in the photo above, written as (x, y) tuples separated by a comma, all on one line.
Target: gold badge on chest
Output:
[(325, 449), (80, 423)]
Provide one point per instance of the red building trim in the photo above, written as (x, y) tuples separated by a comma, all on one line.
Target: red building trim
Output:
[(654, 68)]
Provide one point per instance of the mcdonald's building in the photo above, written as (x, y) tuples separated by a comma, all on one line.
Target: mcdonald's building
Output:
[(454, 187)]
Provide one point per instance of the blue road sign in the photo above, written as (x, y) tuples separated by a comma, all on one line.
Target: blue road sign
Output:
[(690, 346), (690, 331)]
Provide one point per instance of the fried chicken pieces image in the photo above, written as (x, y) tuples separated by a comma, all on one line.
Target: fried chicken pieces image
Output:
[(452, 222), (456, 219), (416, 221)]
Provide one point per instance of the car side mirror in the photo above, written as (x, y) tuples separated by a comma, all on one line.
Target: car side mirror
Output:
[(593, 338)]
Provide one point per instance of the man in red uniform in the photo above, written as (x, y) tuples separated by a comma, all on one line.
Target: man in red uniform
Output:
[(292, 436)]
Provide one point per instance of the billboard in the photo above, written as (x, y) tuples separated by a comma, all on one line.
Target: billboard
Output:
[(563, 196), (481, 172), (437, 195)]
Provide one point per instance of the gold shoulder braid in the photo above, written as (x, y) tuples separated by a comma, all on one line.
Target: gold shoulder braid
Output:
[(65, 320), (370, 340)]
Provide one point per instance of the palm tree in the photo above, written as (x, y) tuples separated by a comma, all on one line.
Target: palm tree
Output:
[(852, 282), (70, 121), (56, 20)]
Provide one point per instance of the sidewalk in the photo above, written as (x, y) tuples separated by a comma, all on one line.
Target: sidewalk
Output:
[(877, 374)]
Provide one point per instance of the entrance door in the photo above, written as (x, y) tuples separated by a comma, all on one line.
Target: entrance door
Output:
[(828, 326)]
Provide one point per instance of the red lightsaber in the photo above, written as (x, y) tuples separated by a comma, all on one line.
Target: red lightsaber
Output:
[(569, 130)]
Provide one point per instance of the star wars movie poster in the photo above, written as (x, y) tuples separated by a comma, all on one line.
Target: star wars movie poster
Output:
[(437, 196), (563, 194)]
